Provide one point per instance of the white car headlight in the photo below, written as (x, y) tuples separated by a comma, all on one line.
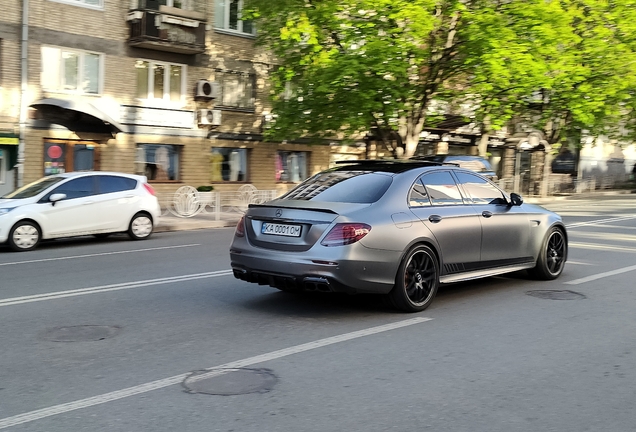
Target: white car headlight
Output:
[(5, 210)]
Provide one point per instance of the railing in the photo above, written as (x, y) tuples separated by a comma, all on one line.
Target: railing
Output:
[(188, 202)]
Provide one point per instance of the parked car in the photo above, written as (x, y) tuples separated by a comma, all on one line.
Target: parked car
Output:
[(79, 203), (473, 163), (398, 228)]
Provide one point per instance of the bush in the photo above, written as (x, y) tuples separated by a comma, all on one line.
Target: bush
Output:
[(205, 188)]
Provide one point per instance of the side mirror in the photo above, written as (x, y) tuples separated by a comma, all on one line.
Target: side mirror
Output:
[(515, 199), (56, 197)]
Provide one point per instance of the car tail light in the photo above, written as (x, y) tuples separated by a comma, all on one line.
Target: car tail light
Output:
[(345, 233), (150, 189), (240, 228)]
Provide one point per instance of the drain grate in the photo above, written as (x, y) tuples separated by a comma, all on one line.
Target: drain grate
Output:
[(81, 333), (556, 294), (229, 382)]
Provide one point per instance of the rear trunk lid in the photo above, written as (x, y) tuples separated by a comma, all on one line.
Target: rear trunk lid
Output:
[(292, 225)]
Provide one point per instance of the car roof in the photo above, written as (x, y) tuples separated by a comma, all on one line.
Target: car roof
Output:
[(394, 166), (74, 174)]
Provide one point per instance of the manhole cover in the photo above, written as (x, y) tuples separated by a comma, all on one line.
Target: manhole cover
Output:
[(81, 333), (228, 382), (556, 294)]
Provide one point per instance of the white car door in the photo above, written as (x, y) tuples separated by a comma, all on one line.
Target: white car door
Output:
[(117, 201), (76, 214)]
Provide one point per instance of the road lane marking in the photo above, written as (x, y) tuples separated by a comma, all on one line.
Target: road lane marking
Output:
[(601, 221), (601, 275), (97, 254), (600, 246), (209, 373), (580, 263), (112, 287)]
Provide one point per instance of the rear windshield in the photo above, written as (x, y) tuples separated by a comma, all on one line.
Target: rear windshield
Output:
[(32, 189), (360, 187)]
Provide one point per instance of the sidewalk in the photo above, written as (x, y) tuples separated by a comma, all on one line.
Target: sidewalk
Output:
[(205, 220)]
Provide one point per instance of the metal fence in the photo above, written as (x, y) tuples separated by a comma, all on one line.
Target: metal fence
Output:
[(188, 202)]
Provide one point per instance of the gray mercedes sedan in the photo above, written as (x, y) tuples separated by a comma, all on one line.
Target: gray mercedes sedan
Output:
[(396, 228)]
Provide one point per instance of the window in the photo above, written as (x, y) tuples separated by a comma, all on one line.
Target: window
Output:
[(161, 81), (181, 4), (158, 162), (2, 169), (442, 189), (418, 196), (227, 16), (342, 186), (480, 190), (71, 70), (237, 89), (76, 188), (109, 184), (291, 166), (228, 164), (93, 4)]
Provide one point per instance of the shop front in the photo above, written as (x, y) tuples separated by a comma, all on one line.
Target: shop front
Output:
[(9, 144)]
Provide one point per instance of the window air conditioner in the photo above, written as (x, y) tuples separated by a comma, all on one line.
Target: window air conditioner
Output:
[(206, 89), (209, 117)]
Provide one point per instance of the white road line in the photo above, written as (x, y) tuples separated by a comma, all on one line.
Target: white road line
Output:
[(98, 254), (211, 372), (580, 263), (601, 221), (113, 287), (601, 275), (600, 246)]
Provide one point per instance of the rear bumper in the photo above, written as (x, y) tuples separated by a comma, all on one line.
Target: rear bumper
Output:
[(366, 271)]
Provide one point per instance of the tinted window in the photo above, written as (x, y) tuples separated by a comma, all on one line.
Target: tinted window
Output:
[(109, 184), (76, 188), (32, 189), (480, 190), (442, 189), (418, 196), (342, 186)]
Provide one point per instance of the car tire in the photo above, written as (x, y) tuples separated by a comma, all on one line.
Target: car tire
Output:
[(552, 256), (24, 236), (417, 280), (140, 227)]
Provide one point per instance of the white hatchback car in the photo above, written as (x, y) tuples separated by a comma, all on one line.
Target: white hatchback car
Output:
[(79, 203)]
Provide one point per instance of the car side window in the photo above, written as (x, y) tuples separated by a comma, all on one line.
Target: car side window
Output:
[(76, 188), (418, 196), (109, 184), (442, 189), (480, 190)]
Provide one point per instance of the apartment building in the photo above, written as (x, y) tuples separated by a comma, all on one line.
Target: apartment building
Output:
[(172, 89)]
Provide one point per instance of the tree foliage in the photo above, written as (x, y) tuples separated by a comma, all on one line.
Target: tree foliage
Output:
[(345, 67)]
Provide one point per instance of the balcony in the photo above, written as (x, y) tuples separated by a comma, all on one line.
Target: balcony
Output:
[(156, 25)]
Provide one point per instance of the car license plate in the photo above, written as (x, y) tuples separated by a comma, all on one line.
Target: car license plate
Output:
[(281, 229)]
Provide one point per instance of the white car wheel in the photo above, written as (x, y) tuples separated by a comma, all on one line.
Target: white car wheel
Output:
[(24, 236), (140, 227)]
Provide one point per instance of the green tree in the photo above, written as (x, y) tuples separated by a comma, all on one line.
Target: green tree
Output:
[(348, 66), (592, 83)]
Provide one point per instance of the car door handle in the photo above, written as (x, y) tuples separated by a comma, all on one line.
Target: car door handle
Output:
[(89, 202), (435, 218), (486, 214)]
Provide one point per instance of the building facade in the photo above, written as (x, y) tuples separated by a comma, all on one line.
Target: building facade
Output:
[(172, 89)]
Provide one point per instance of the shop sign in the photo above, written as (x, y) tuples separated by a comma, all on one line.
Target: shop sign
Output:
[(157, 117), (448, 137), (9, 141)]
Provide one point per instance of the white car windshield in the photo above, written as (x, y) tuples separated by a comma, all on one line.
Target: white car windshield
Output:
[(32, 189)]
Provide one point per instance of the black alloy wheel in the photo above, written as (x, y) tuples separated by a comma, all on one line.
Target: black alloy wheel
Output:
[(417, 280), (552, 257)]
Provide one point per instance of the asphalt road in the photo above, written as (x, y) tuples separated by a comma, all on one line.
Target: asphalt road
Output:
[(115, 335)]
